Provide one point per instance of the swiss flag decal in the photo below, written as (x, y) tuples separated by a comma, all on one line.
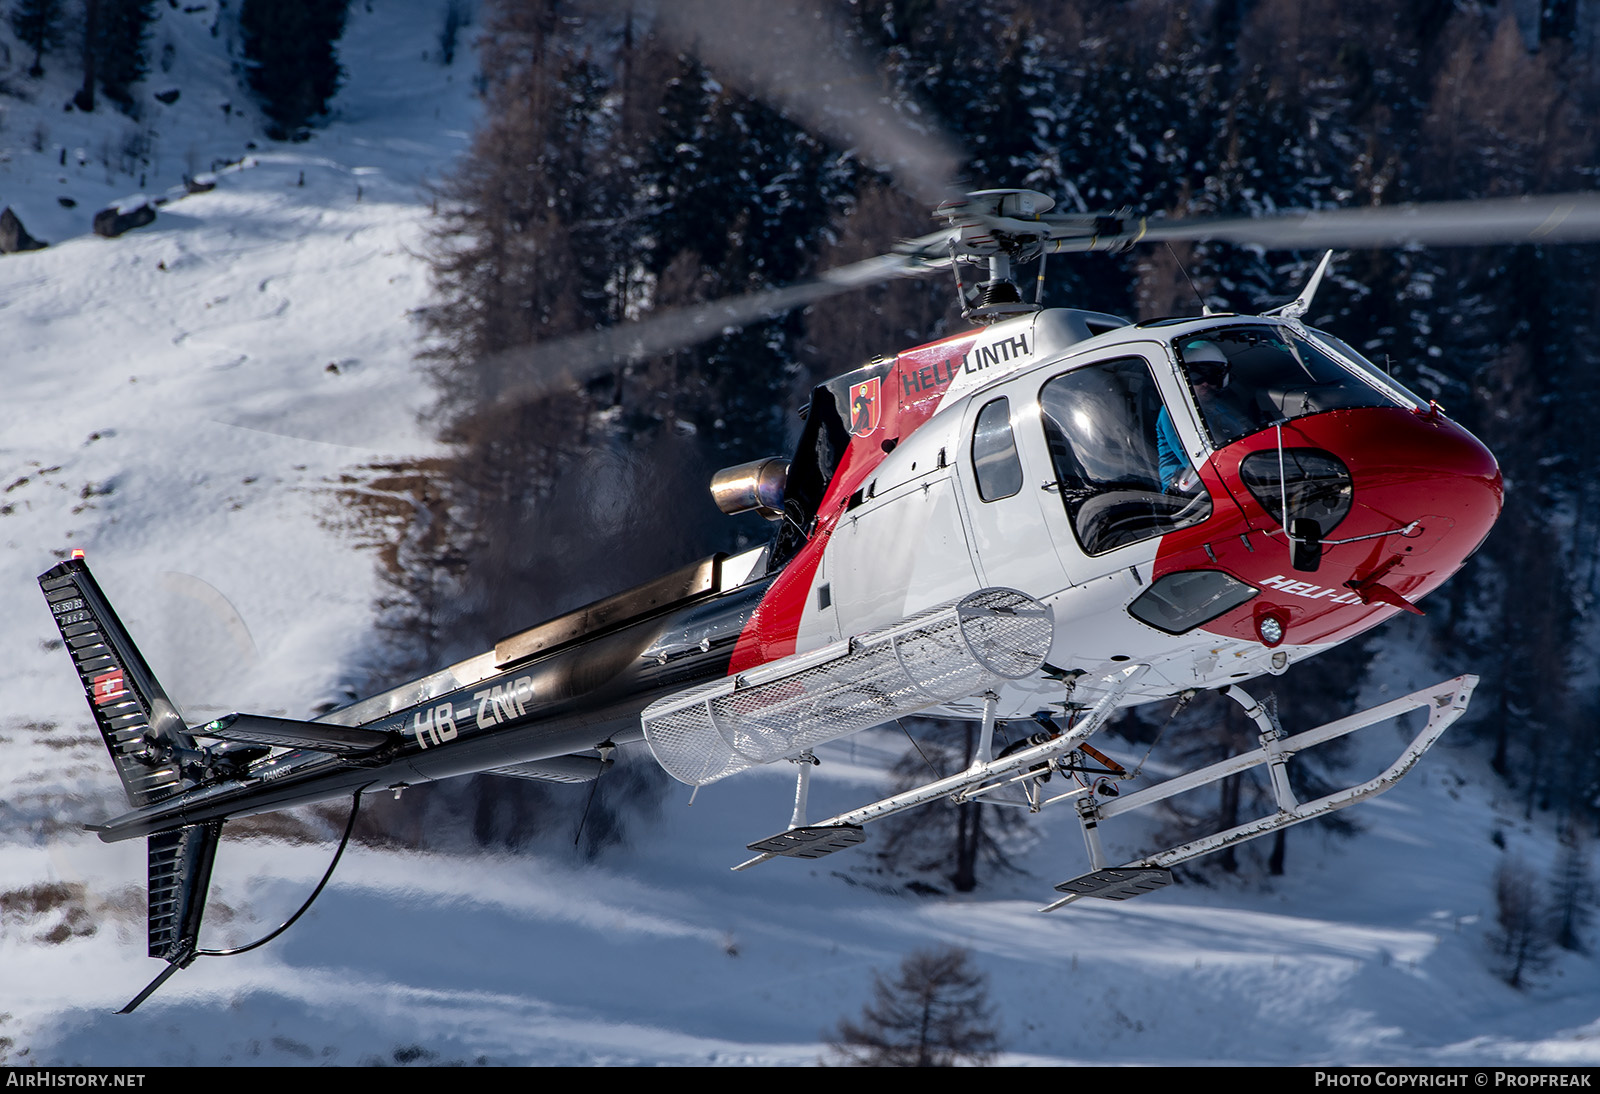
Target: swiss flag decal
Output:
[(108, 686)]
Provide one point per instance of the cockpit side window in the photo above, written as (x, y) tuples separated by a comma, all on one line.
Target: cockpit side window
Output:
[(1103, 425), (1246, 378), (995, 463)]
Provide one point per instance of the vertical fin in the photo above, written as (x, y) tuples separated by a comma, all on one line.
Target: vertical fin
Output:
[(141, 727), (180, 875)]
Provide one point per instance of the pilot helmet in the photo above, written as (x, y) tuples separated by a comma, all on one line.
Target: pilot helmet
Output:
[(1206, 362)]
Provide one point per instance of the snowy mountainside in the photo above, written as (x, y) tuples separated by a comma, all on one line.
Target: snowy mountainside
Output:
[(171, 410), (194, 387)]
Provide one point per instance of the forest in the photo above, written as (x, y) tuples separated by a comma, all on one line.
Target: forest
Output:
[(290, 51)]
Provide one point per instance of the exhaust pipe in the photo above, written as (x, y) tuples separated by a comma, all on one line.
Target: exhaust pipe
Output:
[(757, 485)]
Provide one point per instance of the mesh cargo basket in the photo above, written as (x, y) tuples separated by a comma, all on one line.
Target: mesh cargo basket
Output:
[(937, 656)]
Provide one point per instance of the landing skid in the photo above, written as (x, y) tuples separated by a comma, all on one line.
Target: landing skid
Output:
[(985, 773), (1016, 779), (810, 841), (1445, 702)]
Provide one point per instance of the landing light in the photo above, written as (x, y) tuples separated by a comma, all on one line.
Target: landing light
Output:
[(1270, 630)]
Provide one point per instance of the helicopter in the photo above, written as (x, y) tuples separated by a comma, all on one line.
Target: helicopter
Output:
[(1046, 518)]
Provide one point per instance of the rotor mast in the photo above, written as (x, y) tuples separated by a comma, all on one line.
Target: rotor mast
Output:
[(1004, 229)]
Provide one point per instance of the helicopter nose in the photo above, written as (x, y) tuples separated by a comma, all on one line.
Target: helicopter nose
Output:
[(1400, 500), (1410, 466), (1367, 471)]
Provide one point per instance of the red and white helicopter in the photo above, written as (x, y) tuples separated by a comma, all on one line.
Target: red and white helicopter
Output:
[(1049, 517)]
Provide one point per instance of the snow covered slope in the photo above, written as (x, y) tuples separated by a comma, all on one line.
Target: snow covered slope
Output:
[(159, 386), (159, 394)]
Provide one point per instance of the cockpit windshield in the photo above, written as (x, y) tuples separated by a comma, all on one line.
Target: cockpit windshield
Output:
[(1247, 378)]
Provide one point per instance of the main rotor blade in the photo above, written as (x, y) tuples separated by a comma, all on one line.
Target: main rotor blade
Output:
[(789, 54), (1560, 218), (527, 372)]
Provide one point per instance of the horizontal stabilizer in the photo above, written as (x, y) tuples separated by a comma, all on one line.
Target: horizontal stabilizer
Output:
[(557, 769), (260, 729)]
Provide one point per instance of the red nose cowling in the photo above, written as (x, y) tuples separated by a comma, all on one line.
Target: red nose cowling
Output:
[(1405, 468)]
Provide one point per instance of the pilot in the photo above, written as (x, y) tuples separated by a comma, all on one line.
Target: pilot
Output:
[(1228, 411), (1209, 374), (1175, 467)]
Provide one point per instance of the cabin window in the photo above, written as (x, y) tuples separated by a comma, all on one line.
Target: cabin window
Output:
[(994, 452), (1102, 424)]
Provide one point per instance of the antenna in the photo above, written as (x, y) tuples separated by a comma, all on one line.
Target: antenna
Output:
[(1205, 309), (1301, 304)]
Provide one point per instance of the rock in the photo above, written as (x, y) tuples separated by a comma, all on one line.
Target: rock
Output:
[(66, 202), (169, 96), (200, 184), (113, 220), (14, 237)]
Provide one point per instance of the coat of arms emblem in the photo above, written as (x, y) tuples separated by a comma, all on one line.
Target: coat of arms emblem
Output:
[(866, 406)]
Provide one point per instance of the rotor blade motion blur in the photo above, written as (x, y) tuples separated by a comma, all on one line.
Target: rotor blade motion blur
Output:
[(984, 225), (1559, 218), (527, 372), (790, 55)]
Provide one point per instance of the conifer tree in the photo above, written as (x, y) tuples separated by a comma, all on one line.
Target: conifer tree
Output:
[(84, 98), (291, 53), (39, 24), (935, 1014), (113, 50), (1572, 893), (729, 187), (121, 60), (947, 839), (456, 16), (1520, 942)]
